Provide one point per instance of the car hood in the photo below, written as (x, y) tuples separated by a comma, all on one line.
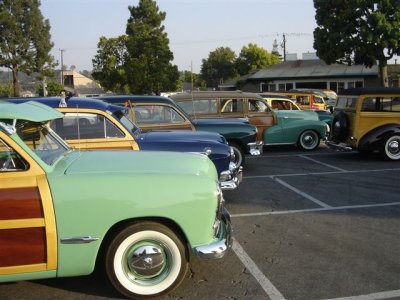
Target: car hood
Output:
[(297, 114), (138, 162), (181, 135)]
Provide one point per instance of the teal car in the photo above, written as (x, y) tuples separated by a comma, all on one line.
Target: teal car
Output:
[(137, 214)]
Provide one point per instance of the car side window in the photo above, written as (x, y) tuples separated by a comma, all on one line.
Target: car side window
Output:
[(146, 114), (10, 160), (85, 126), (369, 104), (256, 105), (231, 106), (318, 99)]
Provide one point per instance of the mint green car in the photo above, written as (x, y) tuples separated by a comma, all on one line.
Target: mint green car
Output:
[(139, 214)]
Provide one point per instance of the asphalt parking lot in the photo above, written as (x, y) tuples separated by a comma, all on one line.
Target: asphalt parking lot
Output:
[(307, 225)]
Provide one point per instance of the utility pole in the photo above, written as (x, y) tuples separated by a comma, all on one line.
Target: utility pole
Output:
[(62, 67), (191, 76), (284, 47)]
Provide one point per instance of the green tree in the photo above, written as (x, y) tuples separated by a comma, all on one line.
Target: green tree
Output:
[(219, 66), (148, 61), (252, 58), (358, 32), (25, 40), (54, 88), (109, 64), (6, 90)]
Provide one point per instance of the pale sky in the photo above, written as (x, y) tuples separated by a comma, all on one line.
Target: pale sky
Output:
[(194, 27)]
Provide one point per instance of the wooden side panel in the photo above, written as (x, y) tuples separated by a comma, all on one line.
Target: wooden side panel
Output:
[(27, 245), (20, 203)]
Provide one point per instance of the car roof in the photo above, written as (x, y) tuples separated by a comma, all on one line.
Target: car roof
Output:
[(30, 111), (217, 94), (365, 91), (274, 95), (73, 102), (118, 99)]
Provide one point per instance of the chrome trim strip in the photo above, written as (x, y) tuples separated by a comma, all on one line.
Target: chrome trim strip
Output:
[(78, 240)]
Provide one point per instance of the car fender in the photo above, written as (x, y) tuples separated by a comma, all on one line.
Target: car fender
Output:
[(289, 133), (374, 139)]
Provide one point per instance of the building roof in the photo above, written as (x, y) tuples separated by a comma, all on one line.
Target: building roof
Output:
[(314, 68)]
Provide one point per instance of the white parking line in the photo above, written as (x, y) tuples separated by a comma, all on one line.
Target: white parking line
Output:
[(381, 295), (307, 196), (322, 173), (332, 208), (265, 283), (321, 163)]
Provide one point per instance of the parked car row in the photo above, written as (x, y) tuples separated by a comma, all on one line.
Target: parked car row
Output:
[(282, 127), (142, 215)]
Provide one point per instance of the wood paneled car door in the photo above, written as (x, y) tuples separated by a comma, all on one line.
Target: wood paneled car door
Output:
[(28, 237)]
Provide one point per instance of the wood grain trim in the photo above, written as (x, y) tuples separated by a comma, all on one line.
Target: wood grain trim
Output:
[(20, 203), (26, 223), (22, 246)]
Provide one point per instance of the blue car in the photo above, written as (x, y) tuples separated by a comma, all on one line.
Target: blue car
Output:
[(93, 124)]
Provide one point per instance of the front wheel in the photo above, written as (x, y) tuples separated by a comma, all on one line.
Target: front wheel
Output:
[(309, 140), (145, 260), (391, 148), (239, 154)]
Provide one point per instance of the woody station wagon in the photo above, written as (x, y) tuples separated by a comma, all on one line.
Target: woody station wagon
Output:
[(63, 212), (94, 124), (368, 120), (282, 127)]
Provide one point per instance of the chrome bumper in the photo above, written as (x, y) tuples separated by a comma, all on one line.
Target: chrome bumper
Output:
[(339, 146), (255, 148), (233, 183), (219, 248)]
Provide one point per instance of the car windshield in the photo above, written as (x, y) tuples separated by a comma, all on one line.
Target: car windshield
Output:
[(42, 140), (126, 122)]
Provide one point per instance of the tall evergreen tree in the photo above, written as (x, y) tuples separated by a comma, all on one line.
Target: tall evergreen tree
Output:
[(25, 40), (148, 64), (358, 32)]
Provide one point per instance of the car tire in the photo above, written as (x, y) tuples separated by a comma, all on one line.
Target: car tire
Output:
[(239, 154), (339, 127), (391, 148), (309, 140), (146, 259)]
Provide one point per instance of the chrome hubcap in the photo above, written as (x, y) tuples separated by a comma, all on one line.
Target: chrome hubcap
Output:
[(394, 147), (309, 140), (146, 261)]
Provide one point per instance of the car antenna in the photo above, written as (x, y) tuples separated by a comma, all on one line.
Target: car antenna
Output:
[(79, 131)]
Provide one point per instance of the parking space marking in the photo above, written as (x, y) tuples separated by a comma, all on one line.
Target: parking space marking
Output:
[(381, 295), (305, 195), (250, 265), (321, 163), (321, 173), (332, 208)]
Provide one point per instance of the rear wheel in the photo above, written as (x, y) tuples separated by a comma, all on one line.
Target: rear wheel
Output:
[(145, 260), (309, 140), (391, 148), (239, 154)]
